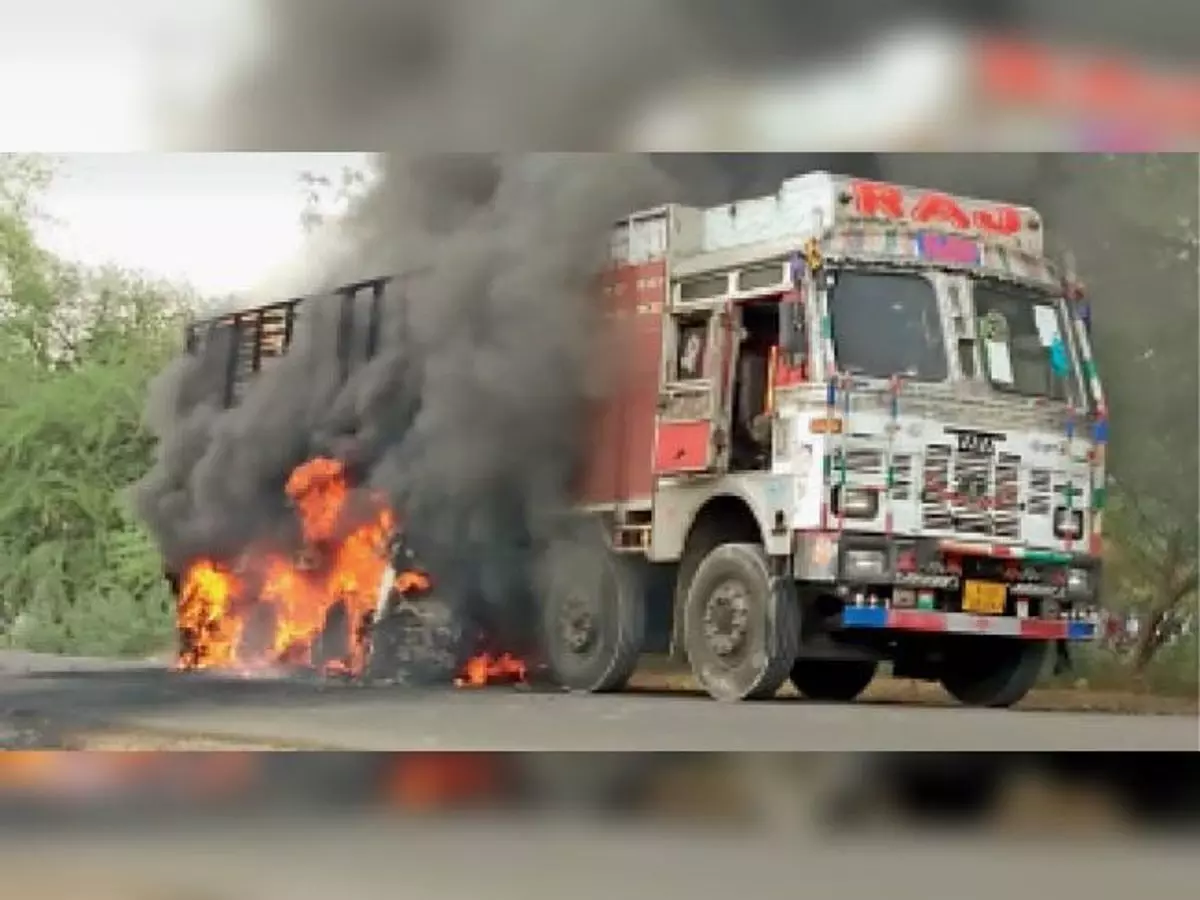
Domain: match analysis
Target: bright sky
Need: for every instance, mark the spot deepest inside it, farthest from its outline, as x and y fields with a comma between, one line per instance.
x=222, y=221
x=82, y=76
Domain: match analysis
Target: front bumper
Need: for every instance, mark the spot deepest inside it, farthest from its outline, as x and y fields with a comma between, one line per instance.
x=916, y=585
x=930, y=622
x=830, y=557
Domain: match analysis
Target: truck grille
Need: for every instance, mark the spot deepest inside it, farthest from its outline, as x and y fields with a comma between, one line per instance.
x=1040, y=499
x=863, y=466
x=867, y=467
x=1006, y=509
x=935, y=485
x=971, y=493
x=902, y=476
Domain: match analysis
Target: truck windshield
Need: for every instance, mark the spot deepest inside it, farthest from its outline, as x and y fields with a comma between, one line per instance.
x=1022, y=342
x=887, y=323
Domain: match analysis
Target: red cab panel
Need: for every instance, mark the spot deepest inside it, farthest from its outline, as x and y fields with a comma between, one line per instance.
x=620, y=446
x=683, y=447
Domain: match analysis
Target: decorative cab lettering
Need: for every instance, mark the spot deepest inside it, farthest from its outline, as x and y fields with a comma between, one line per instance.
x=886, y=201
x=876, y=200
x=935, y=207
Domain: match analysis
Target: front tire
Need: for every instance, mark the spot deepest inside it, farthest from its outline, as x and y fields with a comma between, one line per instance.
x=993, y=672
x=741, y=635
x=593, y=615
x=833, y=680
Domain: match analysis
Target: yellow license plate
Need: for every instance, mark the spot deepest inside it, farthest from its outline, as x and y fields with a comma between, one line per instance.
x=984, y=598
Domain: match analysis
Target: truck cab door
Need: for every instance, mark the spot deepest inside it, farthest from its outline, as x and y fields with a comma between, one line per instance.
x=692, y=419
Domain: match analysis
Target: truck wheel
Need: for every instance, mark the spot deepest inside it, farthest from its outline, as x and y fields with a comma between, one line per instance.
x=416, y=639
x=741, y=637
x=836, y=680
x=993, y=672
x=593, y=616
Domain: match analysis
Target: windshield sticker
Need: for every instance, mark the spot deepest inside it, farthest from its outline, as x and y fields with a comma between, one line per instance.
x=999, y=362
x=1058, y=358
x=993, y=329
x=1047, y=324
x=1048, y=333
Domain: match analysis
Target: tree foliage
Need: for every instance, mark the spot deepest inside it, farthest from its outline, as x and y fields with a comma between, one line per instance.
x=326, y=198
x=77, y=572
x=1138, y=240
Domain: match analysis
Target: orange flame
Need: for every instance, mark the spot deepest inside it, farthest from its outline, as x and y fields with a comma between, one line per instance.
x=487, y=669
x=434, y=781
x=289, y=601
x=276, y=609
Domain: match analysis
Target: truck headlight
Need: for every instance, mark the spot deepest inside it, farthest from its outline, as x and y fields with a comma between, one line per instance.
x=1068, y=523
x=855, y=503
x=864, y=564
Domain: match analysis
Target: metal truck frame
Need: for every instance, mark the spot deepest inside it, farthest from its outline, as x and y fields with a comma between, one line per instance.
x=855, y=422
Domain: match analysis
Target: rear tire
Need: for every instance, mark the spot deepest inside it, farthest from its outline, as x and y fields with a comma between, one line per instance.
x=741, y=636
x=833, y=680
x=593, y=614
x=993, y=673
x=417, y=639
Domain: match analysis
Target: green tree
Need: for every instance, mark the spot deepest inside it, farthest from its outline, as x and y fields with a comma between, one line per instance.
x=327, y=198
x=77, y=572
x=1139, y=241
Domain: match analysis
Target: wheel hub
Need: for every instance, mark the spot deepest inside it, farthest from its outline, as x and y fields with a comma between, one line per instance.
x=727, y=618
x=577, y=625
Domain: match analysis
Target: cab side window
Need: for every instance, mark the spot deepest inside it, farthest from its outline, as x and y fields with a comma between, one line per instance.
x=691, y=351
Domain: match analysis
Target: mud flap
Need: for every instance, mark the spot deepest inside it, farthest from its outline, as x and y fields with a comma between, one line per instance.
x=1063, y=664
x=784, y=622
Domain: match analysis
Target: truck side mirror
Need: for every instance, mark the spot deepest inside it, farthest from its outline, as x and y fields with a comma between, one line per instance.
x=792, y=337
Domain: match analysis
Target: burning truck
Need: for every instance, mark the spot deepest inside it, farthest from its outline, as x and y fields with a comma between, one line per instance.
x=852, y=423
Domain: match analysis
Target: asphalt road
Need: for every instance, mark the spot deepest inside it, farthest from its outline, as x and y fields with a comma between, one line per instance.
x=43, y=697
x=505, y=859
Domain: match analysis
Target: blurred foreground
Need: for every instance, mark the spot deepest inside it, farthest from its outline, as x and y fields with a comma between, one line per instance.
x=1059, y=793
x=218, y=826
x=504, y=859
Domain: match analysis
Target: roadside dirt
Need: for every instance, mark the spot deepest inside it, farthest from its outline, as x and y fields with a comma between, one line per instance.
x=123, y=741
x=663, y=676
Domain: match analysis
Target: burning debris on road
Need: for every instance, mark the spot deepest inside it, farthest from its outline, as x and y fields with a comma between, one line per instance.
x=317, y=606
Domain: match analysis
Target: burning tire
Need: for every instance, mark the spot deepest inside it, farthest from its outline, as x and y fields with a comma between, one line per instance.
x=741, y=636
x=415, y=639
x=992, y=672
x=593, y=615
x=334, y=643
x=416, y=643
x=835, y=680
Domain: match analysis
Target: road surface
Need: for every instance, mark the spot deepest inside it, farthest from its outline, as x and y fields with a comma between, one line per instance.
x=41, y=697
x=525, y=860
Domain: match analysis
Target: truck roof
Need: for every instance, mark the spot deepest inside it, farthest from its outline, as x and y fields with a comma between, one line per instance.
x=811, y=205
x=697, y=239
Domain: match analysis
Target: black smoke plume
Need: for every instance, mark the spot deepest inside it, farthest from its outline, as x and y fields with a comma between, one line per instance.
x=469, y=417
